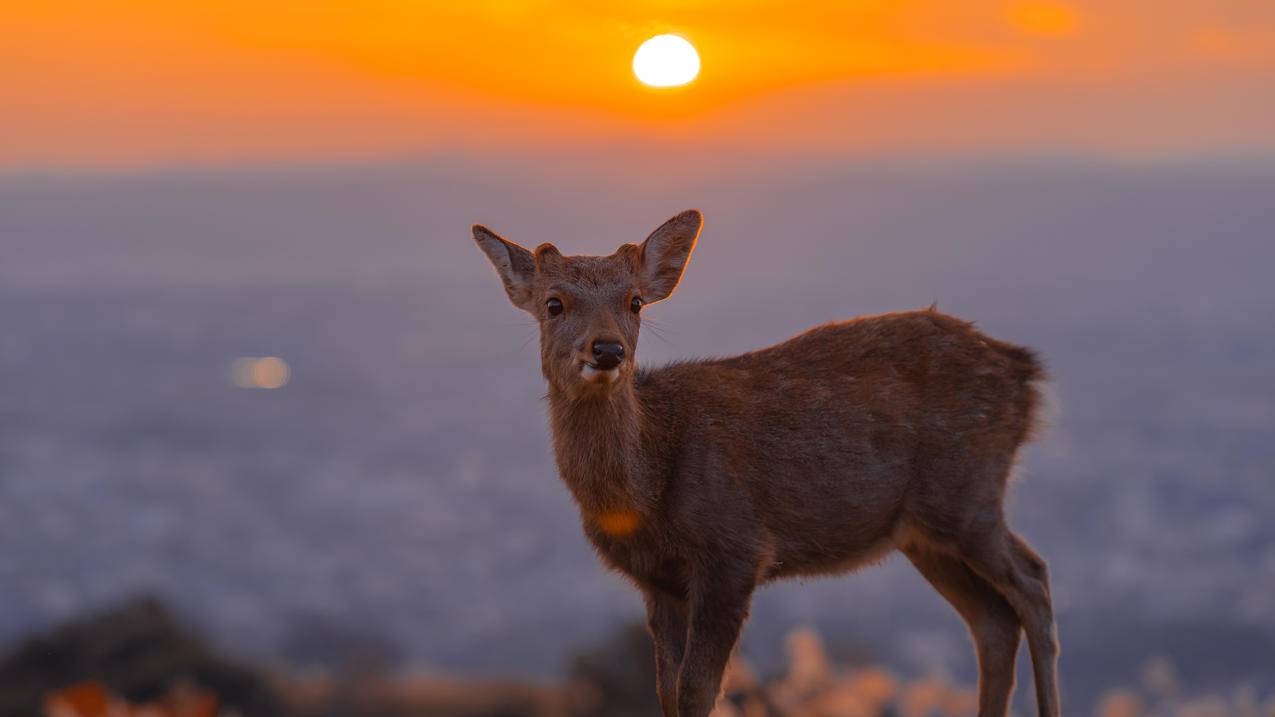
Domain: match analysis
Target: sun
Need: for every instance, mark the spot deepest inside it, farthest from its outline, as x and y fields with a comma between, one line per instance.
x=666, y=61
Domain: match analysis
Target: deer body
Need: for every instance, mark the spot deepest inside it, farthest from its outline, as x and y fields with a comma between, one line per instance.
x=702, y=480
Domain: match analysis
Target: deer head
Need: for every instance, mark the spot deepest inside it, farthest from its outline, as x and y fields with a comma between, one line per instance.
x=589, y=308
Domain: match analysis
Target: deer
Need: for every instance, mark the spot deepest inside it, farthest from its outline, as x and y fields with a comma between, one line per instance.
x=702, y=480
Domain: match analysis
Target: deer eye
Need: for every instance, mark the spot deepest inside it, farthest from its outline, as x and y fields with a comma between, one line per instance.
x=554, y=306
x=635, y=305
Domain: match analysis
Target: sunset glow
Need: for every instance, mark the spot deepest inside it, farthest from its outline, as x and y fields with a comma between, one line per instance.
x=238, y=81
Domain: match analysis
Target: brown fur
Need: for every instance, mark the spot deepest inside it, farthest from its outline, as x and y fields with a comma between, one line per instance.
x=704, y=479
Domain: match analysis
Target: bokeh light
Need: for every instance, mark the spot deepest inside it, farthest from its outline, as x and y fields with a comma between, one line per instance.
x=268, y=372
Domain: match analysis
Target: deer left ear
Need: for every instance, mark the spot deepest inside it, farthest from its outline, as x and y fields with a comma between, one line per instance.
x=515, y=265
x=664, y=254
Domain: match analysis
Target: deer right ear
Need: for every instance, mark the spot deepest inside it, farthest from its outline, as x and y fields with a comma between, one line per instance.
x=664, y=254
x=515, y=265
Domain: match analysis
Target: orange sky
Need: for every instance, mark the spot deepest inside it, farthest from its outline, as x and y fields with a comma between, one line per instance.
x=97, y=83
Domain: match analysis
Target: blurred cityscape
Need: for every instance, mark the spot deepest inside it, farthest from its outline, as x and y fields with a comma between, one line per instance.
x=296, y=406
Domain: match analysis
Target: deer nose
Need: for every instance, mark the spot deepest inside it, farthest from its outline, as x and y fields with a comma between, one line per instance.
x=607, y=354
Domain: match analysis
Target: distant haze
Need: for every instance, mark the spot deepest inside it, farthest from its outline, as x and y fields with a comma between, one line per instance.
x=399, y=486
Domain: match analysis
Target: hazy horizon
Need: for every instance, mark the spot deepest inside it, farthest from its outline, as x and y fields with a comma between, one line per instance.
x=366, y=497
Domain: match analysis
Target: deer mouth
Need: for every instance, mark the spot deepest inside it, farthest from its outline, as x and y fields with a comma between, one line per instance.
x=595, y=373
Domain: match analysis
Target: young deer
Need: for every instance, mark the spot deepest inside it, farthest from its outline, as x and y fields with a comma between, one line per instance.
x=702, y=480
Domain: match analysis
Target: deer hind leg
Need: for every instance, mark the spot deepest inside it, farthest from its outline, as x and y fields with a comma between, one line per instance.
x=1004, y=560
x=992, y=622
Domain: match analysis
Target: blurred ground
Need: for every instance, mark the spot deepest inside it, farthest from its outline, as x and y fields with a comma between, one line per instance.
x=136, y=661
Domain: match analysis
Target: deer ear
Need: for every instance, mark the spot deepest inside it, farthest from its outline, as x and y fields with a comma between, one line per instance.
x=515, y=265
x=663, y=256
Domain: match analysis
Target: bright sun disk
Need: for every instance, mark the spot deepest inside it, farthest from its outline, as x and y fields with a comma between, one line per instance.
x=666, y=61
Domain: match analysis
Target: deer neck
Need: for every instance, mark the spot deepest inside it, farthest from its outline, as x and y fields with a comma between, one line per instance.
x=598, y=446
